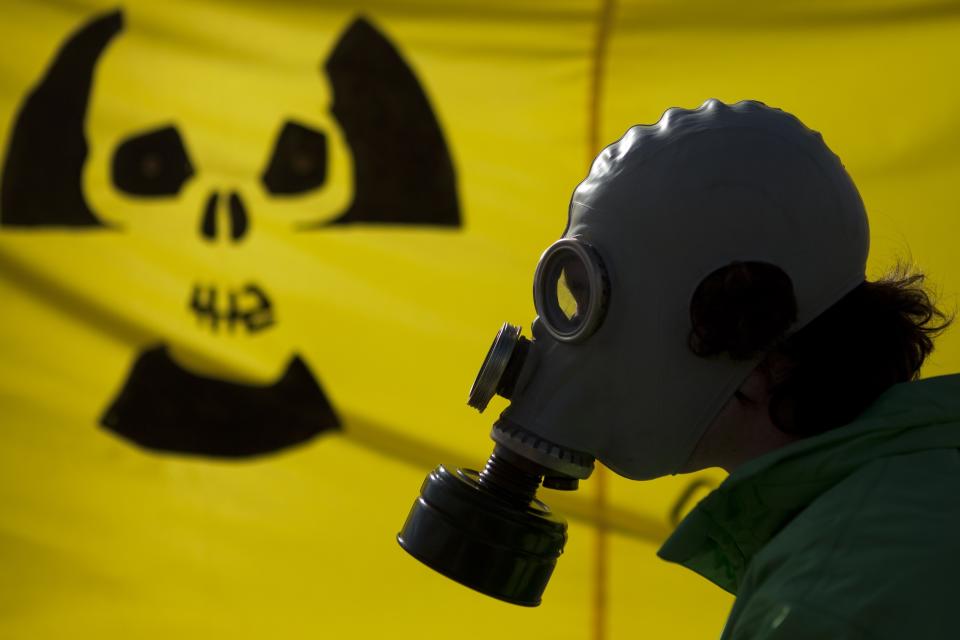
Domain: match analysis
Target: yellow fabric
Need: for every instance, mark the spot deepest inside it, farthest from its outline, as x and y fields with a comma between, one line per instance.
x=101, y=538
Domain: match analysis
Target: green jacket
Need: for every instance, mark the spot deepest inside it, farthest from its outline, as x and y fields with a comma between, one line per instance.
x=854, y=533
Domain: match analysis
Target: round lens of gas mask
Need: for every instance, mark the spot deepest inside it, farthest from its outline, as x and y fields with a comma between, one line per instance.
x=570, y=290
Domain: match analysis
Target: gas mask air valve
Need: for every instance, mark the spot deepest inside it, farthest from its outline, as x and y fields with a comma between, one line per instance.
x=498, y=373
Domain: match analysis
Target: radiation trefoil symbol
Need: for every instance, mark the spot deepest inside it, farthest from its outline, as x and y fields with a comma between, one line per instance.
x=401, y=173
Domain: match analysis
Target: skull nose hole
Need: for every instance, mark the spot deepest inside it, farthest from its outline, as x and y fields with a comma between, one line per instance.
x=239, y=221
x=208, y=222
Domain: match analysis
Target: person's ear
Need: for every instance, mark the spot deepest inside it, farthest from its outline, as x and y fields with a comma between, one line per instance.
x=777, y=367
x=770, y=373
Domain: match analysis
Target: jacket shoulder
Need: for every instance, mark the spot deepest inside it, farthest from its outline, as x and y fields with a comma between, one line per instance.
x=876, y=556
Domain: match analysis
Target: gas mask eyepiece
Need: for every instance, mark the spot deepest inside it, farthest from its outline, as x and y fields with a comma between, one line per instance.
x=570, y=290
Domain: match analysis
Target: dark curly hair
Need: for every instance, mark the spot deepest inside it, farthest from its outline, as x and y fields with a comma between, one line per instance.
x=877, y=335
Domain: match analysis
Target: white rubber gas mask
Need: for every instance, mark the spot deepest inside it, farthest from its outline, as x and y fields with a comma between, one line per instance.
x=609, y=374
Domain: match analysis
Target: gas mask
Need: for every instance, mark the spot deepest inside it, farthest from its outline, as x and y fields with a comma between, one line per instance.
x=608, y=374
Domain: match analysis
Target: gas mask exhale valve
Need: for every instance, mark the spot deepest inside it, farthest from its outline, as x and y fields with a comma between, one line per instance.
x=487, y=530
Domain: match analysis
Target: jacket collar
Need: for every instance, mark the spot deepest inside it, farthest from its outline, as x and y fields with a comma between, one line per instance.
x=726, y=529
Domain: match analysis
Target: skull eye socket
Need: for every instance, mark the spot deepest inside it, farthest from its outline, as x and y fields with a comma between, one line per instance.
x=152, y=164
x=299, y=160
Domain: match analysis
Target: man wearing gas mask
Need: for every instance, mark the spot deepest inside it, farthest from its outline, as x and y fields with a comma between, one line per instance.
x=707, y=305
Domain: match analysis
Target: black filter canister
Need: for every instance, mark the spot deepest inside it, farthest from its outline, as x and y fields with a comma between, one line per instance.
x=486, y=531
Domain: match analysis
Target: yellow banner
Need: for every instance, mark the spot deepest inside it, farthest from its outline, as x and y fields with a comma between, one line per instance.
x=252, y=255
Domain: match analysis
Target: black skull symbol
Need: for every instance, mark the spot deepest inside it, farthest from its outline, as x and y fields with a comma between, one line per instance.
x=401, y=174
